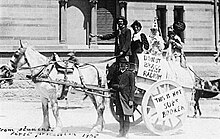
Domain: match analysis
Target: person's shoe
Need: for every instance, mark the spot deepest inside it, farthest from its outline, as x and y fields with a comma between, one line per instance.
x=61, y=97
x=120, y=135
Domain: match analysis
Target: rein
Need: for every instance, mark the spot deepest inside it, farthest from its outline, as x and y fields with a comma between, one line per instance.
x=85, y=64
x=195, y=74
x=39, y=73
x=43, y=66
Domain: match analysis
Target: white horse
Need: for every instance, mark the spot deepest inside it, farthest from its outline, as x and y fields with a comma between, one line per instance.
x=41, y=68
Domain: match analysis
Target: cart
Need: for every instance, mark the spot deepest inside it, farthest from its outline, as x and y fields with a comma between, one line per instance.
x=162, y=95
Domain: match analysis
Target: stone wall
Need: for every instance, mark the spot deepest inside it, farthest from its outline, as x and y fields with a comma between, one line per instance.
x=198, y=17
x=35, y=21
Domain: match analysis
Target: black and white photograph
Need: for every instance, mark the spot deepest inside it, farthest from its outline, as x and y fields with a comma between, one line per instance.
x=109, y=69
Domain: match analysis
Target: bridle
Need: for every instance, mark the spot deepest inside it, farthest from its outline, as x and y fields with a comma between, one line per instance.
x=18, y=55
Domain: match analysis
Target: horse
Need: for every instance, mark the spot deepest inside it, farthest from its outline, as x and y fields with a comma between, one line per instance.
x=42, y=68
x=206, y=89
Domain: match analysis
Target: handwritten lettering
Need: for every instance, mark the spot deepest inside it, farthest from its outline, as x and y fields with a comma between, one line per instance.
x=150, y=67
x=152, y=75
x=172, y=111
x=33, y=132
x=170, y=103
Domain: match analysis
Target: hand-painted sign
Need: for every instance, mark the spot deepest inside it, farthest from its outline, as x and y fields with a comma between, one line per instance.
x=151, y=66
x=171, y=103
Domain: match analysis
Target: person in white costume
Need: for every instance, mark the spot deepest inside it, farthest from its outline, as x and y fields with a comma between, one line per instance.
x=156, y=42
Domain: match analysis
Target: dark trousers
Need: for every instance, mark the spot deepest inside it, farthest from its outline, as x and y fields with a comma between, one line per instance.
x=124, y=124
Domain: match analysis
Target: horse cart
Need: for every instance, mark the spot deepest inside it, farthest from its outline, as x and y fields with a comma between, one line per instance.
x=163, y=90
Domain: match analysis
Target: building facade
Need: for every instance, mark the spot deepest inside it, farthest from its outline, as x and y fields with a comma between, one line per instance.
x=64, y=25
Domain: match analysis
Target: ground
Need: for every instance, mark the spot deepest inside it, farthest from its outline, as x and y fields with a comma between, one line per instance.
x=21, y=115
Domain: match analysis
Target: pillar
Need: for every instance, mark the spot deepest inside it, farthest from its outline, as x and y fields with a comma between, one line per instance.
x=93, y=41
x=216, y=23
x=62, y=21
x=123, y=5
x=170, y=15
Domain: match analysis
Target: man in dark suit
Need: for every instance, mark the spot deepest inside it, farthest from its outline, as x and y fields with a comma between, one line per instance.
x=123, y=38
x=125, y=96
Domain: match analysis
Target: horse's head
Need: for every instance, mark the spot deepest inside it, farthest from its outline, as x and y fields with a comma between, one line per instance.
x=5, y=74
x=18, y=59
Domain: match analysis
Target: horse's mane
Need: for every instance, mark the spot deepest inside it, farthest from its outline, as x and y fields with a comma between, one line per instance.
x=34, y=57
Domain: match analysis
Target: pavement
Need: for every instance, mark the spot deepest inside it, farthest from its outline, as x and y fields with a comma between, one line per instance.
x=19, y=119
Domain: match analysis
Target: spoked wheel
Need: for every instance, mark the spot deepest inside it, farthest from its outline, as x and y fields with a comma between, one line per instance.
x=134, y=120
x=164, y=107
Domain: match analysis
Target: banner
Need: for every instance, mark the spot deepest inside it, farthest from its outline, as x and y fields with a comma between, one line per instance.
x=151, y=67
x=170, y=104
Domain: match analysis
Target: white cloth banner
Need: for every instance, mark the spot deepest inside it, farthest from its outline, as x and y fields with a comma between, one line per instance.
x=152, y=67
x=158, y=68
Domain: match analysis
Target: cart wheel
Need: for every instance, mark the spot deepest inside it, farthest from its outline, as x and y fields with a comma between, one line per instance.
x=159, y=117
x=134, y=120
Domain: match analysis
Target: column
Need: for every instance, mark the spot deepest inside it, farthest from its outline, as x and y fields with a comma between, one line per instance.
x=62, y=21
x=93, y=41
x=216, y=20
x=123, y=5
x=170, y=15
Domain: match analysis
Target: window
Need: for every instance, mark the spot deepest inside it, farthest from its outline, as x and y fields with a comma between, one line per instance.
x=161, y=15
x=218, y=20
x=105, y=19
x=178, y=16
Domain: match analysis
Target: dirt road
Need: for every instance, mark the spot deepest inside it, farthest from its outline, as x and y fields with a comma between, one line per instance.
x=20, y=118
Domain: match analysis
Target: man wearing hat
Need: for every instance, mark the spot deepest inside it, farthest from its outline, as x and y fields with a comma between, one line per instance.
x=123, y=38
x=125, y=96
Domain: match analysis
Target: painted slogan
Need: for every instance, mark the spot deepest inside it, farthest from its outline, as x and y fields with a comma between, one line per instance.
x=151, y=67
x=170, y=103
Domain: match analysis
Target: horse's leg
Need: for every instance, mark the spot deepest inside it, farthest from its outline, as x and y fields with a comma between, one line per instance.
x=46, y=124
x=54, y=105
x=200, y=113
x=195, y=108
x=66, y=98
x=100, y=107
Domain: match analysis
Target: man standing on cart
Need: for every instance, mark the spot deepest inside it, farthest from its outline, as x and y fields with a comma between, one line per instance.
x=123, y=38
x=125, y=96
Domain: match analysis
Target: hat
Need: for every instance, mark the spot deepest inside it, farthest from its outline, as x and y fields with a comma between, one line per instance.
x=71, y=53
x=155, y=25
x=122, y=18
x=136, y=23
x=179, y=26
x=122, y=60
